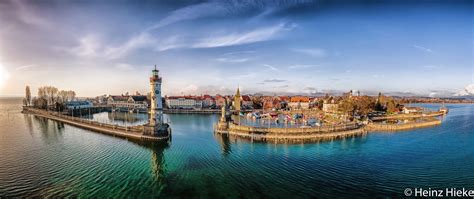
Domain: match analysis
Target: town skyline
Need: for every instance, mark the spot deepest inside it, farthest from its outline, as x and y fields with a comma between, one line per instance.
x=293, y=47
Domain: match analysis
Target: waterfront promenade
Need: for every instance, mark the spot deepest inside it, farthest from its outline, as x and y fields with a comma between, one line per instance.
x=129, y=132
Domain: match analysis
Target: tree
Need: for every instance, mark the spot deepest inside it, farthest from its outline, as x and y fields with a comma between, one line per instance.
x=71, y=95
x=28, y=96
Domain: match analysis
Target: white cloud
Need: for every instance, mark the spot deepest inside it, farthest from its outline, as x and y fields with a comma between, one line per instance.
x=423, y=48
x=89, y=46
x=142, y=40
x=271, y=67
x=25, y=67
x=232, y=60
x=314, y=52
x=233, y=39
x=191, y=12
x=300, y=66
x=467, y=91
x=124, y=66
x=28, y=15
x=244, y=76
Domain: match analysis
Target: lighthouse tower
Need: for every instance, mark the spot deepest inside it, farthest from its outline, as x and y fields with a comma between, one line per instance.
x=156, y=109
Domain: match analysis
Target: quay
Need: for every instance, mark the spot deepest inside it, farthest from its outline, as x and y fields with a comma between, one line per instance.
x=291, y=135
x=129, y=132
x=191, y=111
x=408, y=116
x=401, y=127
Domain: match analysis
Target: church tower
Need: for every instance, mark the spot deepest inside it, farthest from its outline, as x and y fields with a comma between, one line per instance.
x=237, y=101
x=156, y=110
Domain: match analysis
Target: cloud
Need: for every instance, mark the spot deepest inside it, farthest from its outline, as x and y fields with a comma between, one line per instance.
x=224, y=8
x=467, y=91
x=274, y=80
x=314, y=52
x=142, y=40
x=28, y=15
x=253, y=36
x=244, y=76
x=193, y=89
x=299, y=66
x=89, y=46
x=271, y=67
x=191, y=12
x=25, y=67
x=232, y=60
x=124, y=66
x=423, y=48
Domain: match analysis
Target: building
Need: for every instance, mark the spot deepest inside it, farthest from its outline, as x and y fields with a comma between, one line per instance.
x=237, y=101
x=408, y=110
x=138, y=101
x=128, y=102
x=208, y=101
x=220, y=101
x=183, y=102
x=156, y=108
x=118, y=101
x=299, y=102
x=78, y=104
x=246, y=102
x=330, y=107
x=270, y=102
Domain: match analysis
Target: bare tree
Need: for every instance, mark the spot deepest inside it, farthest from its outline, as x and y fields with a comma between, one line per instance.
x=28, y=96
x=71, y=95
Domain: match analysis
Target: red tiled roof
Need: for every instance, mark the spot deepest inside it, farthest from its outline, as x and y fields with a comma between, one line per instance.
x=299, y=99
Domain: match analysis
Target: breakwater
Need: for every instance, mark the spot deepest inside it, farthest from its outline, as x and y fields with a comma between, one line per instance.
x=312, y=134
x=408, y=116
x=191, y=111
x=291, y=135
x=402, y=127
x=129, y=132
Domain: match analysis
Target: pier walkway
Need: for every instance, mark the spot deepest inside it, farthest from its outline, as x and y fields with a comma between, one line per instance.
x=130, y=132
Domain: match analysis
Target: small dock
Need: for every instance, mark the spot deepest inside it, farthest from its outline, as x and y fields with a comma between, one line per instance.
x=129, y=132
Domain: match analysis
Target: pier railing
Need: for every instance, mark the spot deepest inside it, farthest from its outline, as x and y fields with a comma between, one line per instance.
x=132, y=129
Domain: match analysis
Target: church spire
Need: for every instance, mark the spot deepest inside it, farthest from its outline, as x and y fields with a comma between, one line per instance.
x=238, y=91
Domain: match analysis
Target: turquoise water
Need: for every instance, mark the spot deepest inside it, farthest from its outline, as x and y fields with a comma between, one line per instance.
x=43, y=158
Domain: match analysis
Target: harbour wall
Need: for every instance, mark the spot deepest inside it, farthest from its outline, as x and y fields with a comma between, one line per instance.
x=408, y=116
x=401, y=127
x=130, y=132
x=291, y=135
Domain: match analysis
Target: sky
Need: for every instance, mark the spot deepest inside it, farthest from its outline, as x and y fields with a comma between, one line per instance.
x=206, y=47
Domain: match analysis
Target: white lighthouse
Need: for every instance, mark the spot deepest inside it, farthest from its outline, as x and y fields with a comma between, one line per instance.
x=156, y=109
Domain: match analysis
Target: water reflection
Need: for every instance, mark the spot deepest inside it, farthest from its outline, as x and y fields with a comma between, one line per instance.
x=224, y=142
x=50, y=130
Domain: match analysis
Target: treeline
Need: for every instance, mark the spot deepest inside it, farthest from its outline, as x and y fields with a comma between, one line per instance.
x=365, y=104
x=48, y=97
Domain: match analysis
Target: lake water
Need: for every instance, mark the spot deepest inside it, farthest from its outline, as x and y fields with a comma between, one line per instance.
x=39, y=157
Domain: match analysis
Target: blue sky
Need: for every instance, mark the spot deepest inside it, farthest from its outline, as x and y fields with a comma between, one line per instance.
x=109, y=47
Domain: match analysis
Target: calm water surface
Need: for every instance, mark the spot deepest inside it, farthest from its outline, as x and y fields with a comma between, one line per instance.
x=40, y=157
